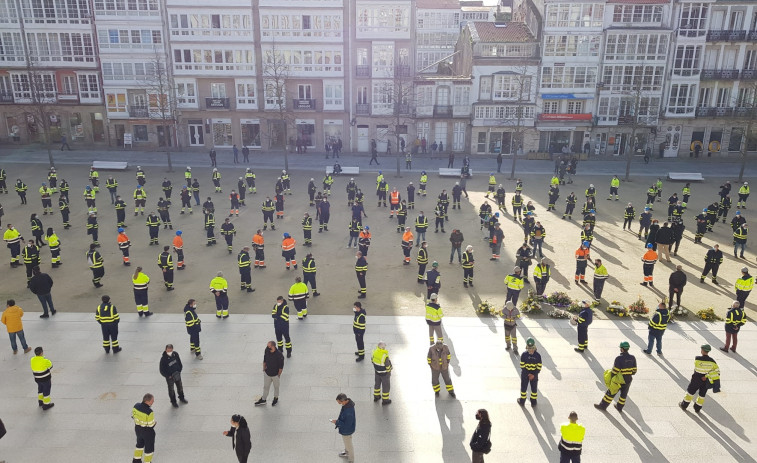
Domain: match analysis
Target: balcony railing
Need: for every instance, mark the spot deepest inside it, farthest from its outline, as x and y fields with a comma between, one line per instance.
x=217, y=103
x=363, y=70
x=68, y=97
x=752, y=36
x=749, y=74
x=6, y=98
x=303, y=103
x=745, y=112
x=138, y=111
x=442, y=111
x=363, y=109
x=714, y=112
x=719, y=74
x=726, y=36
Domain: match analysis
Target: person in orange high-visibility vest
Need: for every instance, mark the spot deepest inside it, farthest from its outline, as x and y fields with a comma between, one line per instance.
x=124, y=244
x=258, y=244
x=582, y=260
x=407, y=244
x=394, y=200
x=178, y=247
x=288, y=251
x=649, y=259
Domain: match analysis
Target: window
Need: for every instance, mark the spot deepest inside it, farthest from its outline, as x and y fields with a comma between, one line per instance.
x=747, y=98
x=140, y=132
x=42, y=87
x=510, y=50
x=575, y=107
x=705, y=93
x=298, y=25
x=462, y=95
x=305, y=92
x=217, y=90
x=362, y=56
x=275, y=94
x=438, y=19
x=692, y=21
x=186, y=94
x=688, y=60
x=251, y=133
x=129, y=38
x=305, y=61
x=53, y=11
x=485, y=88
x=8, y=12
x=11, y=47
x=628, y=78
x=127, y=71
x=210, y=25
x=73, y=47
x=116, y=102
x=736, y=138
x=750, y=60
x=724, y=98
x=569, y=77
x=511, y=87
x=636, y=47
x=504, y=112
x=362, y=95
x=424, y=95
x=572, y=15
x=246, y=96
x=383, y=18
x=212, y=59
x=382, y=96
x=551, y=107
x=127, y=7
x=68, y=85
x=637, y=14
x=333, y=95
x=571, y=45
x=222, y=135
x=681, y=99
x=89, y=87
x=383, y=59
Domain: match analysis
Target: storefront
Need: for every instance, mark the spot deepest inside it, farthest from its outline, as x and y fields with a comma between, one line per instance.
x=222, y=132
x=560, y=131
x=305, y=132
x=251, y=136
x=332, y=131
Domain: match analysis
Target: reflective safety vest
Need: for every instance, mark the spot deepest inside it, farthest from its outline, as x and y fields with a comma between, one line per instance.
x=394, y=197
x=615, y=182
x=542, y=271
x=434, y=314
x=191, y=320
x=407, y=239
x=243, y=260
x=659, y=321
x=106, y=313
x=53, y=241
x=649, y=258
x=280, y=312
x=287, y=244
x=744, y=190
x=468, y=259
x=582, y=255
x=571, y=437
x=298, y=291
x=745, y=283
x=165, y=261
x=308, y=265
x=94, y=259
x=258, y=243
x=11, y=236
x=178, y=242
x=380, y=359
x=143, y=415
x=358, y=322
x=219, y=284
x=492, y=180
x=424, y=179
x=41, y=368
x=141, y=282
x=514, y=282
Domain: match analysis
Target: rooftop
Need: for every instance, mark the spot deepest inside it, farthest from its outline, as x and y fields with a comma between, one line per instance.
x=511, y=32
x=438, y=4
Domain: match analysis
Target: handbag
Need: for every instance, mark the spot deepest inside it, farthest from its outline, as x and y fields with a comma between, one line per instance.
x=176, y=376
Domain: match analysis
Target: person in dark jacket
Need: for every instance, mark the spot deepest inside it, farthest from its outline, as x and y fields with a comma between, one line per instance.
x=273, y=365
x=652, y=237
x=170, y=368
x=676, y=282
x=346, y=425
x=41, y=285
x=240, y=437
x=479, y=441
x=663, y=239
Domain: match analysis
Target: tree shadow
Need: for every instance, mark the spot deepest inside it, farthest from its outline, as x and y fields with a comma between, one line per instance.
x=453, y=434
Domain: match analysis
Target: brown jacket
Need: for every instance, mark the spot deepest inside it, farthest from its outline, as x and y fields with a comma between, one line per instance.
x=438, y=359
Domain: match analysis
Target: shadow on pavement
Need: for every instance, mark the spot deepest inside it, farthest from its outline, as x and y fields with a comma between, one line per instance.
x=722, y=438
x=450, y=416
x=541, y=422
x=546, y=359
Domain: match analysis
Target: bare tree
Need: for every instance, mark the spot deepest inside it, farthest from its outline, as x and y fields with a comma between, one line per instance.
x=639, y=114
x=746, y=121
x=276, y=74
x=523, y=81
x=38, y=90
x=162, y=100
x=397, y=93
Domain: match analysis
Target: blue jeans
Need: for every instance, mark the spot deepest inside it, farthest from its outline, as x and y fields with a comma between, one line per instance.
x=20, y=335
x=113, y=194
x=421, y=236
x=452, y=253
x=537, y=244
x=655, y=335
x=736, y=246
x=46, y=300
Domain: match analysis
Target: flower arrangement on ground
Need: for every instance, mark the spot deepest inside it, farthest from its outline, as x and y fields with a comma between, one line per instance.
x=558, y=313
x=679, y=311
x=639, y=307
x=486, y=307
x=533, y=303
x=618, y=309
x=709, y=315
x=574, y=307
x=559, y=299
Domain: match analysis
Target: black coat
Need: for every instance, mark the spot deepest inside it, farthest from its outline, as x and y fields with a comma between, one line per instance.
x=664, y=236
x=41, y=284
x=677, y=279
x=479, y=441
x=170, y=365
x=240, y=442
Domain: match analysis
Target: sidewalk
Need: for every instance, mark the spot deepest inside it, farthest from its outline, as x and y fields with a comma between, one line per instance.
x=316, y=161
x=94, y=392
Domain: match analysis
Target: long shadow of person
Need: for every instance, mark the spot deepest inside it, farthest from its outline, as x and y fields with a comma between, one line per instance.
x=558, y=277
x=454, y=362
x=546, y=359
x=545, y=441
x=486, y=319
x=725, y=441
x=644, y=449
x=450, y=416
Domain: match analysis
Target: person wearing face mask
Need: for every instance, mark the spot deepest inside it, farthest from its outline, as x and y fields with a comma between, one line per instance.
x=240, y=437
x=192, y=321
x=170, y=368
x=479, y=442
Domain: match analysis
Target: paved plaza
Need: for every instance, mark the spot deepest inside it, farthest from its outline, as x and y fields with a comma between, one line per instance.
x=94, y=393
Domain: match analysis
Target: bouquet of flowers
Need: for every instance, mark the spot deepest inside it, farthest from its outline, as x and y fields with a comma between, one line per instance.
x=639, y=307
x=679, y=311
x=575, y=307
x=559, y=299
x=618, y=309
x=709, y=315
x=558, y=313
x=532, y=303
x=487, y=307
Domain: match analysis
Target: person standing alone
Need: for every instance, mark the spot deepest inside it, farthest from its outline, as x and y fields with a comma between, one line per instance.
x=240, y=432
x=571, y=439
x=273, y=365
x=144, y=428
x=170, y=368
x=12, y=320
x=43, y=377
x=346, y=425
x=479, y=441
x=107, y=316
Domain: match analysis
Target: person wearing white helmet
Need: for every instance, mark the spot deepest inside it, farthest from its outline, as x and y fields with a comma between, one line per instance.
x=188, y=176
x=141, y=177
x=591, y=192
x=216, y=177
x=285, y=182
x=743, y=195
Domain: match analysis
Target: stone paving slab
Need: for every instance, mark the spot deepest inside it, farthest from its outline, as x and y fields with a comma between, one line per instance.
x=94, y=393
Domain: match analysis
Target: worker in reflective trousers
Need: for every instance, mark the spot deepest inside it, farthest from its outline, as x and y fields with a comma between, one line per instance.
x=530, y=366
x=280, y=315
x=438, y=359
x=299, y=294
x=144, y=428
x=706, y=376
x=165, y=262
x=219, y=287
x=434, y=317
x=571, y=439
x=621, y=376
x=358, y=329
x=382, y=374
x=192, y=322
x=107, y=316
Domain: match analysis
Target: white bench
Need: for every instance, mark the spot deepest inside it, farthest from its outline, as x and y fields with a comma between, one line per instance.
x=452, y=172
x=686, y=176
x=345, y=170
x=110, y=165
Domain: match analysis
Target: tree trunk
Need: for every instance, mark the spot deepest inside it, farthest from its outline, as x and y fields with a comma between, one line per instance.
x=52, y=164
x=743, y=166
x=629, y=156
